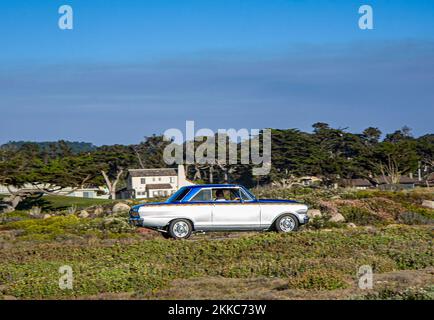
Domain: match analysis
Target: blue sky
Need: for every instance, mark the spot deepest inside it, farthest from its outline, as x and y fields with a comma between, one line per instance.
x=133, y=68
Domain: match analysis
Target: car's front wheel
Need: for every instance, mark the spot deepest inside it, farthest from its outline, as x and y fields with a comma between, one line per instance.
x=286, y=223
x=180, y=229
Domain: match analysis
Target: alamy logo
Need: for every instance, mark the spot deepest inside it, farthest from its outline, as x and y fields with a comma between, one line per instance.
x=366, y=21
x=66, y=20
x=66, y=280
x=366, y=277
x=204, y=146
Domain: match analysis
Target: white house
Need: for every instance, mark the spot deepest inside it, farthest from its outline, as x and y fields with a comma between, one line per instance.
x=150, y=183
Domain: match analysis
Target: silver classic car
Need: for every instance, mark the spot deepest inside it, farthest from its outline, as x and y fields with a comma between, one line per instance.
x=223, y=207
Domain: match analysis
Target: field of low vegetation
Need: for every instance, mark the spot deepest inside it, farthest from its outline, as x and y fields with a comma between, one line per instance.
x=391, y=232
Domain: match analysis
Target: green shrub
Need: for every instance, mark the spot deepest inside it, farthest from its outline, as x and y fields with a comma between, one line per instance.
x=360, y=194
x=360, y=216
x=13, y=217
x=406, y=294
x=116, y=225
x=323, y=222
x=318, y=280
x=45, y=228
x=71, y=227
x=413, y=218
x=425, y=212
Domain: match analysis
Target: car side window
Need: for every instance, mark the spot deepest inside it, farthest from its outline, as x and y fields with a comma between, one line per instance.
x=202, y=196
x=226, y=195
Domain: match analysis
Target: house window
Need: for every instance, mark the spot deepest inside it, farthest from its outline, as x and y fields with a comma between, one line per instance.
x=159, y=179
x=87, y=194
x=143, y=180
x=153, y=179
x=172, y=180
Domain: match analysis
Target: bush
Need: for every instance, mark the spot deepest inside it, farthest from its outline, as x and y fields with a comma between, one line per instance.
x=45, y=228
x=322, y=222
x=13, y=217
x=411, y=196
x=360, y=216
x=425, y=212
x=407, y=294
x=116, y=225
x=318, y=280
x=413, y=218
x=67, y=227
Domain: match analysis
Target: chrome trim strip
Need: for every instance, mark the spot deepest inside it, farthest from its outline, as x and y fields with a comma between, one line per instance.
x=216, y=203
x=231, y=227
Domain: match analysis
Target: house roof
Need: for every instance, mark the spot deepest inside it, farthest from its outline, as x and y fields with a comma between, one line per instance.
x=357, y=182
x=157, y=186
x=152, y=172
x=402, y=180
x=310, y=178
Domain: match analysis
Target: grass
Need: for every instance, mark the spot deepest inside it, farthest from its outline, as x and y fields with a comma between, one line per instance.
x=411, y=293
x=58, y=203
x=70, y=227
x=109, y=257
x=54, y=205
x=30, y=270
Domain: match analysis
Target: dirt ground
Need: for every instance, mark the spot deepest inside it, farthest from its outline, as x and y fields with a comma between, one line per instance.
x=274, y=289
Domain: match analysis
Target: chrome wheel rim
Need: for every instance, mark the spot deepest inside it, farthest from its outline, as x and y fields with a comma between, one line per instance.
x=287, y=224
x=180, y=229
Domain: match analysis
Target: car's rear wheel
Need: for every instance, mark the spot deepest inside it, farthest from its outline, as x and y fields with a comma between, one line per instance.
x=286, y=223
x=180, y=229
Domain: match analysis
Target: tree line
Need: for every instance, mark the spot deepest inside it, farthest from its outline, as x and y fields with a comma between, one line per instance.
x=330, y=153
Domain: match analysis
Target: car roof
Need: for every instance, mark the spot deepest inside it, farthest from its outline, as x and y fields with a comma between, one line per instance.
x=214, y=186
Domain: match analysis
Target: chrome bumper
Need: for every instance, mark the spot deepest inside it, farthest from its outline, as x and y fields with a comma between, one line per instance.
x=136, y=221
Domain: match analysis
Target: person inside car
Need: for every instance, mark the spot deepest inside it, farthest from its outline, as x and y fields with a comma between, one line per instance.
x=219, y=195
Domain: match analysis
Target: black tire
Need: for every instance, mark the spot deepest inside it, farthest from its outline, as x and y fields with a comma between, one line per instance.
x=166, y=235
x=180, y=229
x=291, y=222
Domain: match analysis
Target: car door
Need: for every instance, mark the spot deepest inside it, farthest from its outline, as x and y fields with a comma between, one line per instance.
x=236, y=214
x=199, y=209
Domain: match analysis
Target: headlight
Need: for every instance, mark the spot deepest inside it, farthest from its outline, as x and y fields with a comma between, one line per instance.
x=134, y=211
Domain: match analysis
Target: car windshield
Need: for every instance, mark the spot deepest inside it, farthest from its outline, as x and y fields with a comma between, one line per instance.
x=179, y=195
x=249, y=193
x=245, y=196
